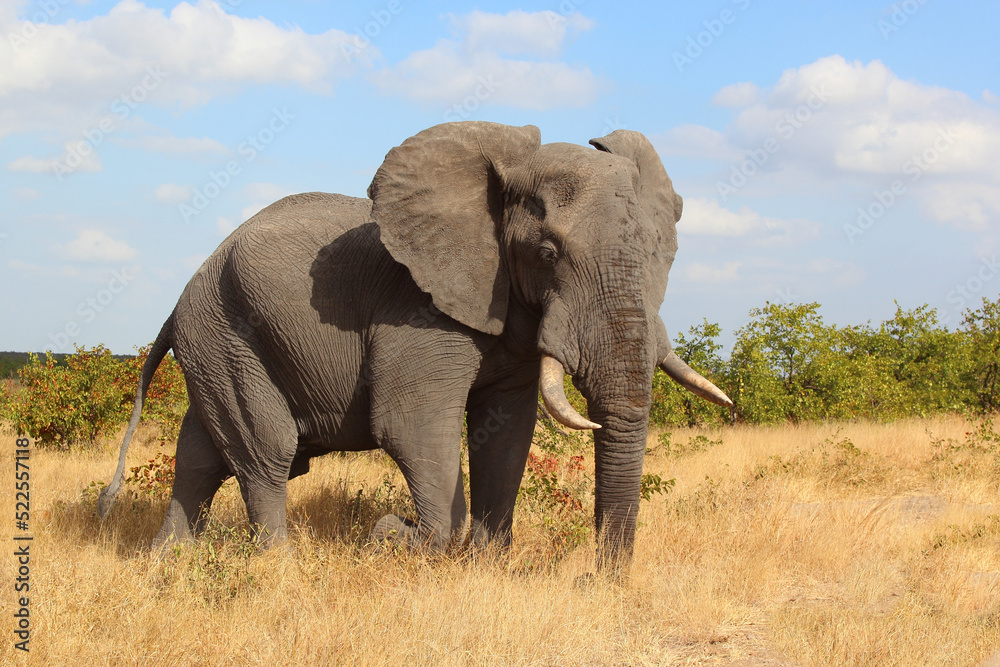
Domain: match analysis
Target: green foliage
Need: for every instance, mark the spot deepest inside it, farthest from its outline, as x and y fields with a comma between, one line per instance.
x=776, y=362
x=90, y=397
x=66, y=406
x=983, y=330
x=674, y=406
x=651, y=485
x=216, y=567
x=556, y=490
x=975, y=457
x=166, y=399
x=787, y=365
x=12, y=362
x=840, y=462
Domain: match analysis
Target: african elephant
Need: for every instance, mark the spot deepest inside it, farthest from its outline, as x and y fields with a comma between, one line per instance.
x=482, y=262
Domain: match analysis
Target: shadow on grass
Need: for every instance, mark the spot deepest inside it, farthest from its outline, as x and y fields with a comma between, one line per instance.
x=128, y=529
x=336, y=513
x=339, y=513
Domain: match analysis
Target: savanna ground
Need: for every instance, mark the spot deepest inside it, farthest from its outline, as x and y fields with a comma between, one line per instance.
x=821, y=544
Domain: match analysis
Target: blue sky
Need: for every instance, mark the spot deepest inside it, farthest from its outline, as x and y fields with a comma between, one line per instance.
x=846, y=153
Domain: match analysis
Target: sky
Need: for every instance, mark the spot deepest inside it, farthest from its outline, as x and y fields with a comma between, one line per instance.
x=842, y=153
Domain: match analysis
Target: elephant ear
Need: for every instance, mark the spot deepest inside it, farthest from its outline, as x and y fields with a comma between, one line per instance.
x=438, y=201
x=656, y=193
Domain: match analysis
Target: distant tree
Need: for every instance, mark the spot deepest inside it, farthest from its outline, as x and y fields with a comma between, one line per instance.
x=774, y=369
x=982, y=326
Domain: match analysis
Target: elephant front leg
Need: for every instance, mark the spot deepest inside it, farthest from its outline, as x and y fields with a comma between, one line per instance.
x=443, y=522
x=435, y=483
x=425, y=442
x=500, y=427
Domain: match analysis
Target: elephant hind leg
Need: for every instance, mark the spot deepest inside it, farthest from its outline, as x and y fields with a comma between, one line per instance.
x=198, y=474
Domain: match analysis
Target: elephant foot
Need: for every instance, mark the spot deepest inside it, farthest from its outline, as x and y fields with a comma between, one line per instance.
x=166, y=545
x=269, y=539
x=394, y=529
x=487, y=547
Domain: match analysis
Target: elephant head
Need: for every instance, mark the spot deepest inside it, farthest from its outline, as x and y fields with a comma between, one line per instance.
x=560, y=245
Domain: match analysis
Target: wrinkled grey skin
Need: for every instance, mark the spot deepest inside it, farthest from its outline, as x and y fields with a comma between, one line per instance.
x=330, y=323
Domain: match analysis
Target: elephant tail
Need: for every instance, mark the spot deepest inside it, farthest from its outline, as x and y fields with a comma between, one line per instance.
x=164, y=341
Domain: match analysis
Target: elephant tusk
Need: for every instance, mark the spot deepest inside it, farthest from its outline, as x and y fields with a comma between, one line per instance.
x=554, y=396
x=688, y=378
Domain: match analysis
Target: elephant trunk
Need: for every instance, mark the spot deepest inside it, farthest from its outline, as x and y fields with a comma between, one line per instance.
x=622, y=409
x=620, y=448
x=617, y=384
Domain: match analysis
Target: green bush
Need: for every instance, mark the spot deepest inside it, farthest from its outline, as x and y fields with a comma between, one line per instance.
x=983, y=377
x=91, y=397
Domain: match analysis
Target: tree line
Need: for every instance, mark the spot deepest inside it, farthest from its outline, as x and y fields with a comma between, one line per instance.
x=786, y=365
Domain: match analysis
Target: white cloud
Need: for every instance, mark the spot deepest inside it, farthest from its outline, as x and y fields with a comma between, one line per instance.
x=92, y=245
x=696, y=141
x=77, y=156
x=179, y=145
x=467, y=74
x=66, y=75
x=966, y=205
x=266, y=192
x=193, y=262
x=842, y=123
x=708, y=274
x=737, y=95
x=539, y=34
x=782, y=278
x=224, y=226
x=260, y=196
x=172, y=193
x=706, y=217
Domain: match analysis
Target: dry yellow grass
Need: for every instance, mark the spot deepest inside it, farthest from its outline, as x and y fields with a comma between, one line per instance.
x=856, y=544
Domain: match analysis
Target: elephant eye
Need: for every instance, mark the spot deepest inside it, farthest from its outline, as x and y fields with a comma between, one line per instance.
x=547, y=253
